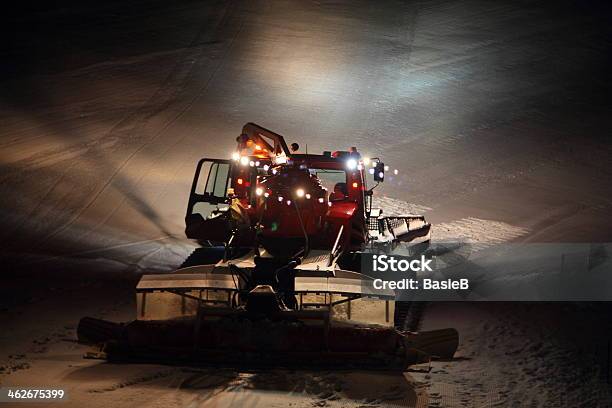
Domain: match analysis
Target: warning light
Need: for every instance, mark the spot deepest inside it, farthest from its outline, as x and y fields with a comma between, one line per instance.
x=240, y=181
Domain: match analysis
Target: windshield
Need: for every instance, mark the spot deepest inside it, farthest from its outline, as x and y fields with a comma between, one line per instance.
x=329, y=178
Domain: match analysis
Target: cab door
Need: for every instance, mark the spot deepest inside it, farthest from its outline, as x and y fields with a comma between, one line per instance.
x=207, y=210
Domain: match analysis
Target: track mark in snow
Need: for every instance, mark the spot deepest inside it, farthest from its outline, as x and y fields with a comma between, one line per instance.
x=476, y=231
x=136, y=381
x=393, y=206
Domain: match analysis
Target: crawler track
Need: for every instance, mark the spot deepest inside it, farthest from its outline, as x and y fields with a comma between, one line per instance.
x=408, y=315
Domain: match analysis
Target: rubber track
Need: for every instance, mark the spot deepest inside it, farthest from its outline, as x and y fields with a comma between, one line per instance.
x=408, y=315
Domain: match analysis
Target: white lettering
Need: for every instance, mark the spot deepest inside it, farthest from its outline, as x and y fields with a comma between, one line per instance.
x=432, y=284
x=383, y=263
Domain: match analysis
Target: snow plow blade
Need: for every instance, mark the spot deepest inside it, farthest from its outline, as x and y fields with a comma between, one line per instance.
x=237, y=339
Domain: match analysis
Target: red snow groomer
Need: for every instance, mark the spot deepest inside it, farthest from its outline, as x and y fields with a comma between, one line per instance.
x=277, y=277
x=292, y=204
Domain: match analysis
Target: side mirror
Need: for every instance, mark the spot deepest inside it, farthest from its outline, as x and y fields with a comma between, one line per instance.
x=379, y=172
